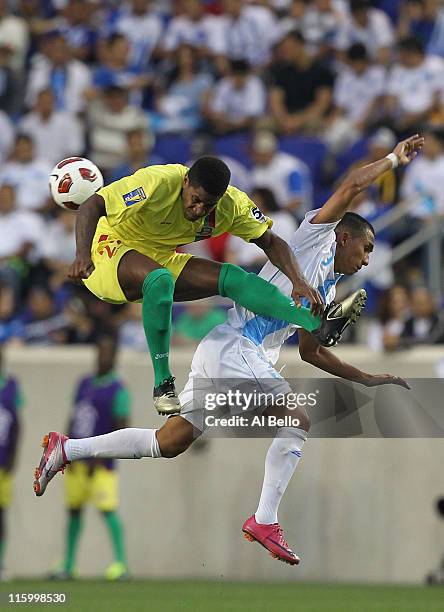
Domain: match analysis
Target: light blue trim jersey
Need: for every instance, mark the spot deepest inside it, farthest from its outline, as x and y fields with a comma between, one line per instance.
x=314, y=247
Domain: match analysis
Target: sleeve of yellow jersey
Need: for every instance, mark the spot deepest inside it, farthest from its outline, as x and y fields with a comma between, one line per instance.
x=249, y=222
x=128, y=195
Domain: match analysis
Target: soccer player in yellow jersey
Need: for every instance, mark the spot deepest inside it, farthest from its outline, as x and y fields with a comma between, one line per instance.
x=127, y=235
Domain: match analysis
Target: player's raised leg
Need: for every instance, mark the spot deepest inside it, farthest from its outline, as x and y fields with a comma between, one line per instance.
x=172, y=439
x=281, y=461
x=141, y=277
x=203, y=278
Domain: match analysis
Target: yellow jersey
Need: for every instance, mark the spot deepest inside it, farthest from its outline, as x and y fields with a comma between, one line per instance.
x=145, y=212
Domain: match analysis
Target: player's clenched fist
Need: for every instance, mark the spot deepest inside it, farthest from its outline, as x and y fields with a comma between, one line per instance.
x=81, y=268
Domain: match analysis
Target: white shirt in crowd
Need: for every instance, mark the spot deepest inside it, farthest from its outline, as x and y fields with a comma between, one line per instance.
x=30, y=181
x=287, y=177
x=143, y=32
x=78, y=80
x=58, y=243
x=183, y=30
x=378, y=33
x=14, y=35
x=354, y=93
x=415, y=88
x=237, y=104
x=250, y=37
x=62, y=130
x=423, y=186
x=18, y=228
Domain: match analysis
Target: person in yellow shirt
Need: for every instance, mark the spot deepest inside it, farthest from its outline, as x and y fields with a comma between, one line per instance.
x=127, y=235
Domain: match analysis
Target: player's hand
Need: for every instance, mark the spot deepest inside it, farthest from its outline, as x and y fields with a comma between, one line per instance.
x=81, y=268
x=376, y=380
x=301, y=289
x=408, y=149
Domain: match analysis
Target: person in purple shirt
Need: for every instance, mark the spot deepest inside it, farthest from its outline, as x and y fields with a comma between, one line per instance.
x=101, y=405
x=10, y=404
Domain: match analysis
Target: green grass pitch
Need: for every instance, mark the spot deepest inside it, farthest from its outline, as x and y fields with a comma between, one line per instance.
x=201, y=596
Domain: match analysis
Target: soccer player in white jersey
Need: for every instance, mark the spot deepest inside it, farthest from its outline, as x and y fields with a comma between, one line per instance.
x=330, y=242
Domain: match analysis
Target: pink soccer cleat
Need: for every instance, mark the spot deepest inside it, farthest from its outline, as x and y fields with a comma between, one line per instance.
x=270, y=537
x=53, y=460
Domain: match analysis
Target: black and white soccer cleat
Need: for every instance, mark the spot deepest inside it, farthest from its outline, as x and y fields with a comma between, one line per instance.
x=337, y=317
x=165, y=397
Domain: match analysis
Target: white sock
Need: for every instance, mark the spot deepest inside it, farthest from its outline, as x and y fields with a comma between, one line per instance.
x=280, y=463
x=130, y=443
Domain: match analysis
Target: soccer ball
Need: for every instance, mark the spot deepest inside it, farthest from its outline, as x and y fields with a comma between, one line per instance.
x=74, y=180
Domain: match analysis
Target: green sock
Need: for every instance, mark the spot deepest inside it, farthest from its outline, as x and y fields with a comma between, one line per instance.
x=116, y=533
x=157, y=291
x=263, y=298
x=72, y=540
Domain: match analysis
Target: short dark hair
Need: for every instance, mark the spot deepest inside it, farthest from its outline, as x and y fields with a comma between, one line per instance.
x=355, y=224
x=412, y=44
x=240, y=66
x=211, y=173
x=357, y=52
x=359, y=5
x=295, y=35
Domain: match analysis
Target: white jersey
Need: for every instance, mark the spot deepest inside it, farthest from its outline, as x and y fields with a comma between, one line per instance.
x=314, y=247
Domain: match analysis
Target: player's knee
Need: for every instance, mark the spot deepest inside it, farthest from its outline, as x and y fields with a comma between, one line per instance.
x=174, y=446
x=158, y=286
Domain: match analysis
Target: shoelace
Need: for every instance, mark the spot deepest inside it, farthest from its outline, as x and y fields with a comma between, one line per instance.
x=280, y=536
x=169, y=382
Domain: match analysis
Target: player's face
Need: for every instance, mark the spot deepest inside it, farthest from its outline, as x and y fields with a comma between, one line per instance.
x=353, y=252
x=197, y=203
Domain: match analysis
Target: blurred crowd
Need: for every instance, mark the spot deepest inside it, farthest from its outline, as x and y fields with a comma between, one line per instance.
x=290, y=93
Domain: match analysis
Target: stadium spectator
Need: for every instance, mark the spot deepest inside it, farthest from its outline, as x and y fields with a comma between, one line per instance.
x=423, y=183
x=55, y=67
x=302, y=89
x=369, y=26
x=139, y=144
x=111, y=118
x=320, y=20
x=285, y=175
x=414, y=83
x=43, y=323
x=248, y=255
x=179, y=102
x=77, y=26
x=59, y=247
x=244, y=31
x=143, y=28
x=101, y=404
x=196, y=321
x=384, y=333
x=237, y=101
x=116, y=69
x=425, y=325
x=11, y=402
x=357, y=97
x=192, y=26
x=28, y=174
x=423, y=19
x=44, y=124
x=14, y=35
x=11, y=327
x=20, y=237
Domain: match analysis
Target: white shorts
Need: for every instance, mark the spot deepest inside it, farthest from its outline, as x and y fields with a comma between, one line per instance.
x=223, y=355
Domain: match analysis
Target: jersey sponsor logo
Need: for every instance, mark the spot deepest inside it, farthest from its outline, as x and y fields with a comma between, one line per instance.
x=327, y=262
x=208, y=227
x=257, y=214
x=134, y=196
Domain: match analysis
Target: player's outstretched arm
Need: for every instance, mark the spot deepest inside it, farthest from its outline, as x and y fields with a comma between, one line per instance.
x=281, y=256
x=312, y=352
x=359, y=179
x=88, y=216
